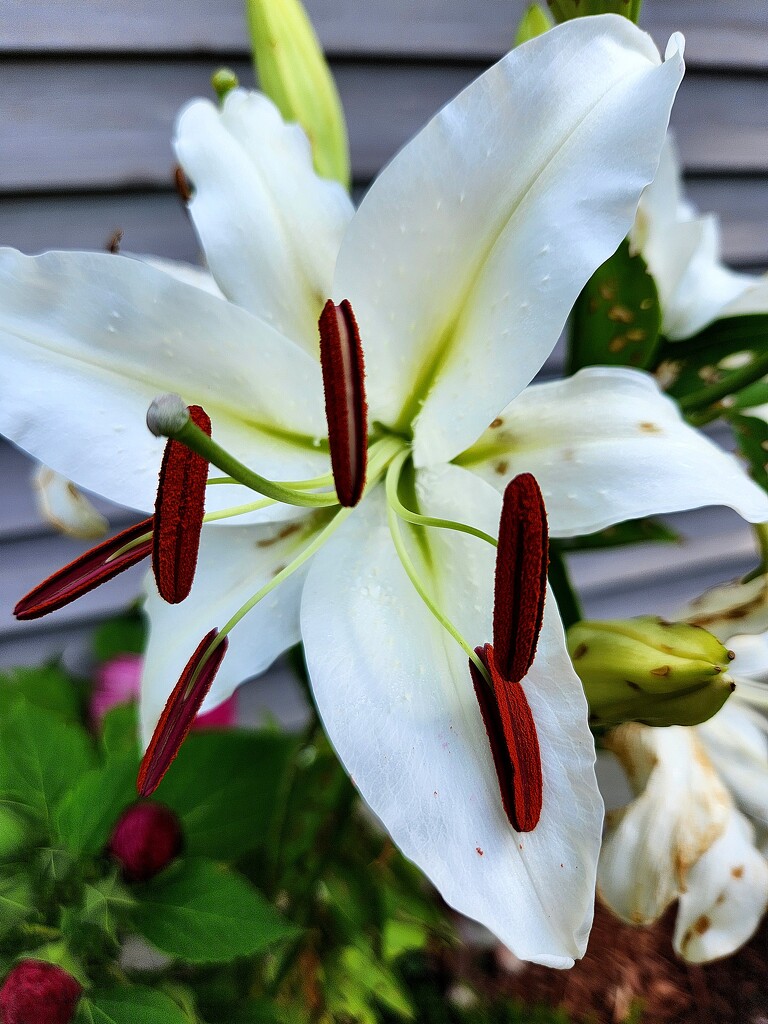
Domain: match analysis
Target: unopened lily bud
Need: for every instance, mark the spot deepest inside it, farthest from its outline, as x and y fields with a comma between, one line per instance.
x=14, y=833
x=651, y=671
x=224, y=81
x=146, y=838
x=167, y=415
x=535, y=22
x=36, y=992
x=293, y=72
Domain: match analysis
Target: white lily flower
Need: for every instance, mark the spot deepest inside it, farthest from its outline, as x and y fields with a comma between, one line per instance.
x=461, y=265
x=682, y=250
x=65, y=507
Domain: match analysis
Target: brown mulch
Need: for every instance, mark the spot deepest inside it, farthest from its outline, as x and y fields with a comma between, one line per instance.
x=627, y=966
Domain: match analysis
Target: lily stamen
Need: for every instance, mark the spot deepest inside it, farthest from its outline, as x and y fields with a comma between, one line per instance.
x=341, y=360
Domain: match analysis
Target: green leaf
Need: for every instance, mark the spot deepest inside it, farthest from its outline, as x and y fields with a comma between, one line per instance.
x=357, y=981
x=48, y=687
x=124, y=635
x=41, y=757
x=89, y=811
x=565, y=10
x=535, y=22
x=617, y=317
x=203, y=913
x=224, y=786
x=633, y=531
x=130, y=1006
x=721, y=360
x=752, y=438
x=120, y=730
x=16, y=900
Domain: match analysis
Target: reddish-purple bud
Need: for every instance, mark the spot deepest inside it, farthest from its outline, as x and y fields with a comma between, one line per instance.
x=36, y=992
x=179, y=512
x=146, y=838
x=179, y=713
x=514, y=742
x=341, y=358
x=87, y=572
x=521, y=577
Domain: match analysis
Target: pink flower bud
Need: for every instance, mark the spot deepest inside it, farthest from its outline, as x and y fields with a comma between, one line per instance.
x=146, y=838
x=39, y=993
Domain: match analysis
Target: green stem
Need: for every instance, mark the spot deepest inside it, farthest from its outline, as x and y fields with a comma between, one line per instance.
x=560, y=581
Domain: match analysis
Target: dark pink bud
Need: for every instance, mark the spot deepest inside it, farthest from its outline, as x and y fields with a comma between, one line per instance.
x=146, y=838
x=341, y=359
x=87, y=572
x=39, y=993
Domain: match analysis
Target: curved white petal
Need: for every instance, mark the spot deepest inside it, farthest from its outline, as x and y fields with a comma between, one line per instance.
x=66, y=508
x=752, y=299
x=270, y=227
x=395, y=695
x=606, y=445
x=467, y=254
x=733, y=606
x=187, y=273
x=87, y=340
x=736, y=741
x=751, y=651
x=726, y=896
x=232, y=566
x=651, y=844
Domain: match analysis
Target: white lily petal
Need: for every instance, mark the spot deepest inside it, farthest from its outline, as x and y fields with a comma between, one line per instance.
x=730, y=606
x=726, y=896
x=187, y=273
x=66, y=508
x=232, y=566
x=271, y=227
x=736, y=741
x=753, y=299
x=651, y=844
x=88, y=340
x=751, y=653
x=396, y=698
x=606, y=445
x=465, y=290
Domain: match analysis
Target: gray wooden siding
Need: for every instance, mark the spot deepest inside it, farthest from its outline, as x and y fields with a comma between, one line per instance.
x=89, y=93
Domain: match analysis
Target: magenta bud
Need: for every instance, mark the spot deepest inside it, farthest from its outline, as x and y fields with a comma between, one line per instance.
x=36, y=992
x=146, y=838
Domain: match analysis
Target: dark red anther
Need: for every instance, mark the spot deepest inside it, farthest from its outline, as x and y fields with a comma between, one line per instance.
x=341, y=358
x=514, y=742
x=86, y=573
x=37, y=992
x=521, y=577
x=179, y=512
x=179, y=714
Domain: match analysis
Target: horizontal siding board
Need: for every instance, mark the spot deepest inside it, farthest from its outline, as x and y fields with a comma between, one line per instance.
x=156, y=223
x=730, y=33
x=106, y=124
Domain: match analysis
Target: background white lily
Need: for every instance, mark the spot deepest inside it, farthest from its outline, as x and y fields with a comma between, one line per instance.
x=682, y=250
x=462, y=265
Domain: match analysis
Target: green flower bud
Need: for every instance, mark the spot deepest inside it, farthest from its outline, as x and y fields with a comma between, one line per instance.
x=293, y=72
x=564, y=10
x=224, y=81
x=14, y=833
x=535, y=22
x=651, y=671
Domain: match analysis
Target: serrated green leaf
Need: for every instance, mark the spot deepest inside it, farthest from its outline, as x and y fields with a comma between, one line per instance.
x=106, y=903
x=16, y=900
x=633, y=531
x=89, y=811
x=124, y=635
x=617, y=317
x=721, y=360
x=48, y=687
x=203, y=913
x=130, y=1006
x=752, y=438
x=224, y=786
x=41, y=757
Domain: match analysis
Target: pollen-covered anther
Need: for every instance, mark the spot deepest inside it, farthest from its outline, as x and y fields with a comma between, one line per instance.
x=179, y=713
x=514, y=742
x=522, y=558
x=87, y=572
x=179, y=512
x=341, y=358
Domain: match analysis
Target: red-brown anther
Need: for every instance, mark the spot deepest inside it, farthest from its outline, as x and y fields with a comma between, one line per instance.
x=86, y=573
x=514, y=742
x=179, y=512
x=521, y=577
x=179, y=714
x=341, y=358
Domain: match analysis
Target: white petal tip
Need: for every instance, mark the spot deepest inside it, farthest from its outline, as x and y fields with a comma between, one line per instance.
x=675, y=47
